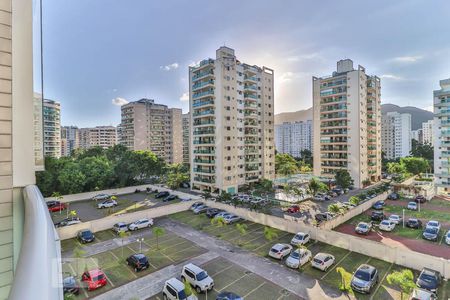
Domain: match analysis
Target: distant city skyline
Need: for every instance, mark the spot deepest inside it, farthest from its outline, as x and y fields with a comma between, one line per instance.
x=98, y=55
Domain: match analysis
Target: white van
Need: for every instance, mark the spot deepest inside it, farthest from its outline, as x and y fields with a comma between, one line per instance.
x=174, y=290
x=197, y=277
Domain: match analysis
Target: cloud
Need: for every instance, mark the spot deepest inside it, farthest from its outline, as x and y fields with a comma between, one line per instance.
x=391, y=76
x=296, y=58
x=407, y=59
x=289, y=76
x=429, y=108
x=194, y=63
x=119, y=101
x=184, y=97
x=170, y=67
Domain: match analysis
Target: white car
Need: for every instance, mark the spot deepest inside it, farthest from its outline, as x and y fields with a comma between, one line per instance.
x=421, y=294
x=280, y=251
x=434, y=224
x=387, y=225
x=184, y=199
x=101, y=197
x=174, y=290
x=222, y=214
x=197, y=277
x=395, y=218
x=139, y=224
x=447, y=237
x=322, y=261
x=119, y=227
x=194, y=205
x=300, y=238
x=298, y=258
x=230, y=219
x=107, y=204
x=412, y=205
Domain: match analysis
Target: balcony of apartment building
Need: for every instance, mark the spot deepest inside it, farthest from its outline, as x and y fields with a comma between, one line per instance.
x=251, y=123
x=204, y=170
x=335, y=107
x=203, y=141
x=333, y=116
x=202, y=74
x=205, y=180
x=203, y=93
x=333, y=91
x=333, y=99
x=203, y=102
x=250, y=97
x=250, y=114
x=204, y=160
x=334, y=140
x=204, y=150
x=251, y=140
x=334, y=156
x=333, y=132
x=334, y=124
x=204, y=122
x=203, y=113
x=334, y=148
x=204, y=131
x=251, y=131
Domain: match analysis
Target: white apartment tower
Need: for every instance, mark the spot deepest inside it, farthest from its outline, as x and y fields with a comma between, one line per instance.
x=147, y=125
x=347, y=124
x=396, y=135
x=442, y=138
x=232, y=123
x=70, y=139
x=292, y=138
x=185, y=123
x=427, y=132
x=51, y=115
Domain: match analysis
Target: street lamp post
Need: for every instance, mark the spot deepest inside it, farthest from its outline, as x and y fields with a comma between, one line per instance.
x=140, y=244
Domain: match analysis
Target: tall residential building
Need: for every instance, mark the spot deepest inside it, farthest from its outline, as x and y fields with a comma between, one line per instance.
x=232, y=119
x=70, y=139
x=99, y=136
x=442, y=138
x=147, y=125
x=292, y=138
x=417, y=135
x=347, y=124
x=186, y=132
x=38, y=133
x=51, y=113
x=396, y=135
x=427, y=132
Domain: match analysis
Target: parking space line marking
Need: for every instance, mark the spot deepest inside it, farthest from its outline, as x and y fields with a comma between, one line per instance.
x=84, y=290
x=255, y=289
x=128, y=268
x=442, y=238
x=107, y=278
x=381, y=281
x=280, y=237
x=223, y=270
x=112, y=253
x=335, y=265
x=233, y=282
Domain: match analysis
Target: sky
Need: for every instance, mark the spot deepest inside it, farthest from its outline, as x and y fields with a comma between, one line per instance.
x=99, y=54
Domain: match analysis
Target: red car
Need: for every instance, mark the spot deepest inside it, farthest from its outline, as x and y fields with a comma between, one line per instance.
x=94, y=279
x=293, y=209
x=56, y=206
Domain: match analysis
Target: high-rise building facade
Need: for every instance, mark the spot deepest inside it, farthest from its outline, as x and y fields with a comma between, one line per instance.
x=232, y=121
x=186, y=133
x=427, y=132
x=347, y=124
x=442, y=138
x=292, y=138
x=396, y=135
x=99, y=136
x=38, y=133
x=417, y=135
x=147, y=125
x=70, y=139
x=51, y=113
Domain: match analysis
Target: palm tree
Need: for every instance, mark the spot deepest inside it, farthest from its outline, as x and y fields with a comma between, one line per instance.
x=316, y=186
x=123, y=235
x=335, y=208
x=242, y=228
x=344, y=285
x=206, y=194
x=354, y=200
x=270, y=233
x=219, y=221
x=188, y=290
x=403, y=279
x=158, y=231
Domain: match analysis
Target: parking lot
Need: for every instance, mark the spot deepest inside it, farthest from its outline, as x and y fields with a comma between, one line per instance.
x=255, y=241
x=436, y=209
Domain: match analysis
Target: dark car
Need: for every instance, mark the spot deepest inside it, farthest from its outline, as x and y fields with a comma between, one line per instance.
x=429, y=280
x=228, y=296
x=71, y=286
x=378, y=205
x=364, y=279
x=138, y=262
x=162, y=194
x=52, y=203
x=293, y=209
x=377, y=216
x=393, y=196
x=85, y=236
x=431, y=234
x=170, y=198
x=338, y=191
x=420, y=199
x=323, y=216
x=414, y=223
x=211, y=212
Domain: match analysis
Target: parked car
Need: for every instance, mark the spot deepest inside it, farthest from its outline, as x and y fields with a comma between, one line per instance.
x=280, y=251
x=85, y=236
x=431, y=234
x=298, y=258
x=387, y=225
x=412, y=205
x=338, y=191
x=170, y=198
x=378, y=205
x=228, y=296
x=230, y=219
x=94, y=279
x=174, y=290
x=162, y=194
x=293, y=209
x=70, y=285
x=101, y=197
x=300, y=238
x=377, y=215
x=50, y=203
x=393, y=196
x=447, y=237
x=324, y=216
x=364, y=279
x=363, y=228
x=414, y=223
x=433, y=223
x=211, y=212
x=107, y=204
x=429, y=280
x=332, y=194
x=222, y=214
x=421, y=294
x=138, y=262
x=56, y=206
x=67, y=222
x=348, y=205
x=395, y=218
x=118, y=227
x=197, y=277
x=200, y=209
x=420, y=199
x=185, y=198
x=195, y=204
x=185, y=185
x=141, y=223
x=322, y=261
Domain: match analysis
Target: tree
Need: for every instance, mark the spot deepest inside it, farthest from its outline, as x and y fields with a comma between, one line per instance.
x=335, y=208
x=343, y=179
x=415, y=165
x=270, y=233
x=157, y=232
x=396, y=168
x=425, y=151
x=97, y=171
x=316, y=186
x=306, y=156
x=177, y=175
x=71, y=179
x=285, y=164
x=403, y=279
x=242, y=228
x=266, y=185
x=188, y=290
x=219, y=221
x=345, y=279
x=123, y=235
x=206, y=194
x=224, y=197
x=354, y=200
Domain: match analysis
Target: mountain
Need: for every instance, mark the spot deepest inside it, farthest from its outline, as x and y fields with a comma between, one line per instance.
x=295, y=116
x=418, y=116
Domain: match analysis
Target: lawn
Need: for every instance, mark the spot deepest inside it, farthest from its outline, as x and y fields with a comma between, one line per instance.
x=441, y=216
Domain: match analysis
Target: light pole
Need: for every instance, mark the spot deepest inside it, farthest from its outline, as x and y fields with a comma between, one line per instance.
x=140, y=244
x=403, y=219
